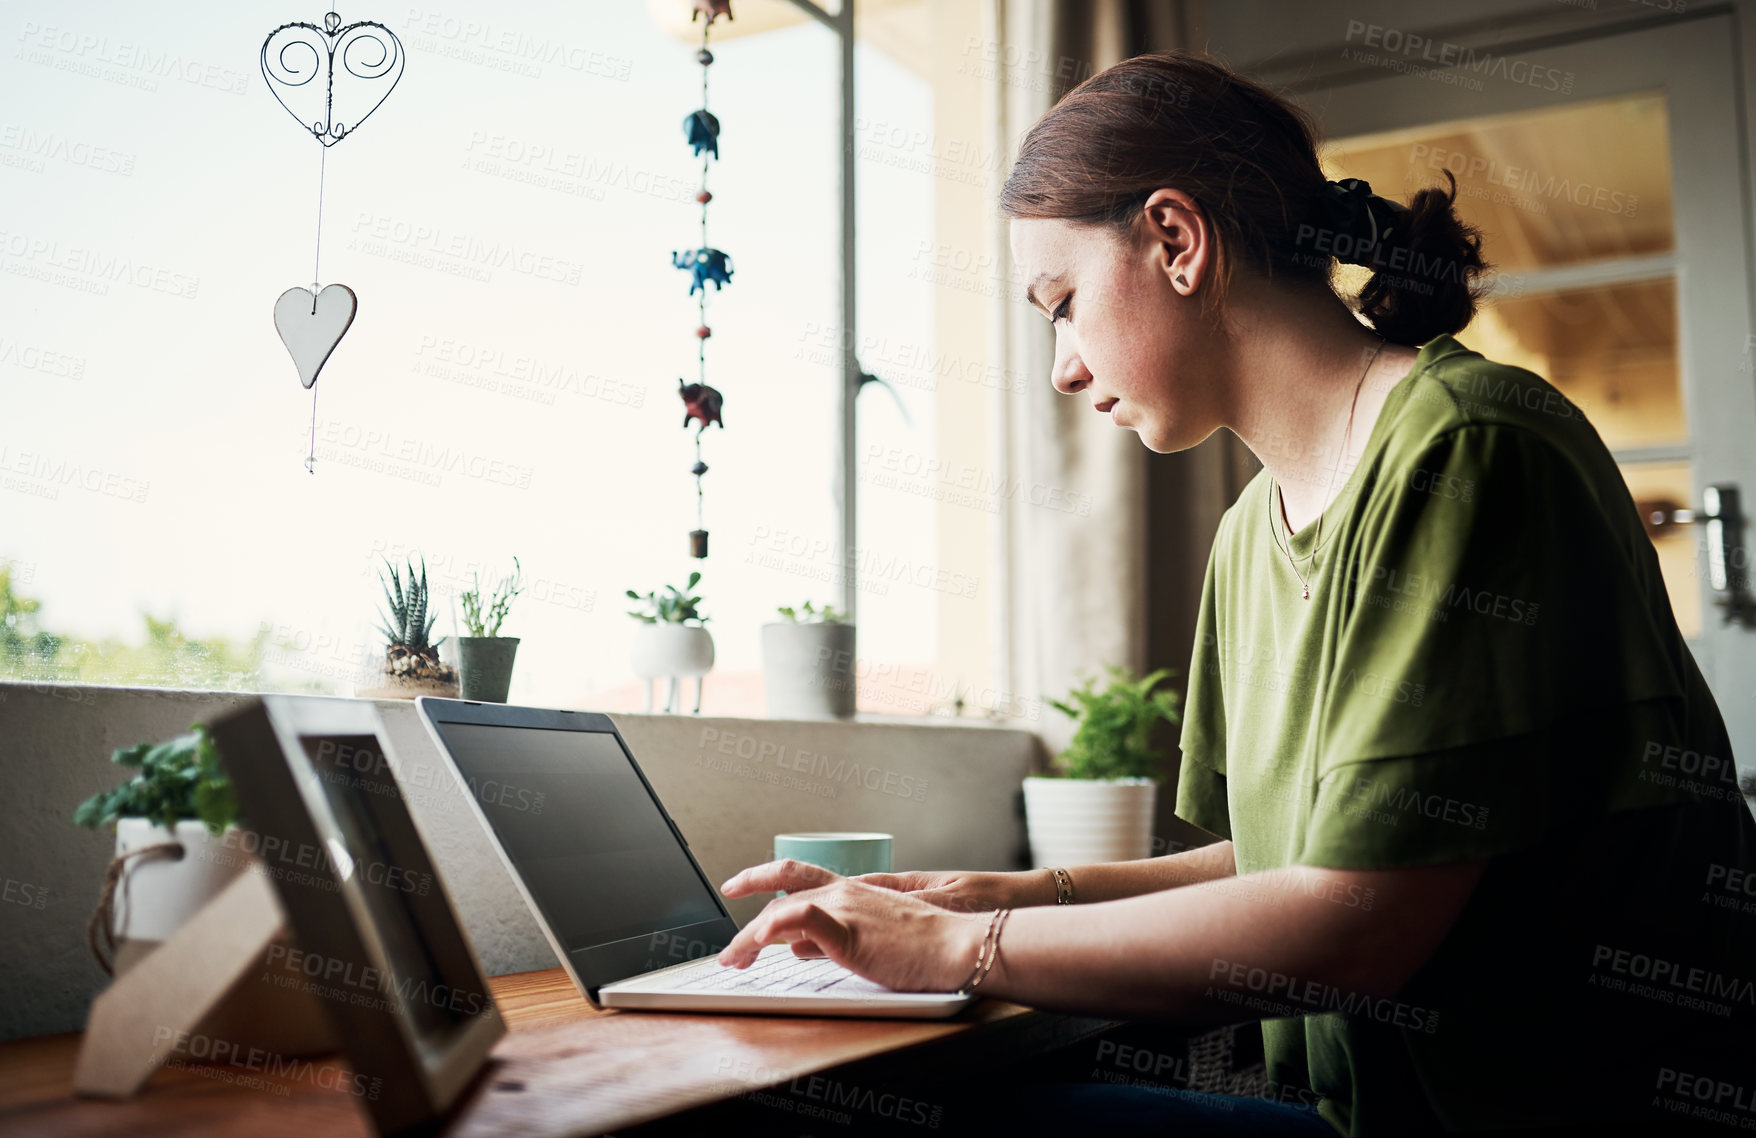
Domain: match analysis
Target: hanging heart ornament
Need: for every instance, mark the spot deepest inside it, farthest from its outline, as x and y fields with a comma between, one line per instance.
x=311, y=326
x=295, y=55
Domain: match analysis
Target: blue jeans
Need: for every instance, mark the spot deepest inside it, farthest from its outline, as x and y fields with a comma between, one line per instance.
x=1064, y=1109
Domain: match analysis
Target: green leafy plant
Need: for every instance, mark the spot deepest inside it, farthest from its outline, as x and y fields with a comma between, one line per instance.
x=805, y=614
x=22, y=642
x=179, y=780
x=408, y=625
x=499, y=602
x=670, y=606
x=1114, y=737
x=159, y=654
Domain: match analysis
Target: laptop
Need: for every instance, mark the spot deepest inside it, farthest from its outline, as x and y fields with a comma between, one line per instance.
x=612, y=881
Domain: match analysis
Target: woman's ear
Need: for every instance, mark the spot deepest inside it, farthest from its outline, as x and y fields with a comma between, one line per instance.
x=1181, y=240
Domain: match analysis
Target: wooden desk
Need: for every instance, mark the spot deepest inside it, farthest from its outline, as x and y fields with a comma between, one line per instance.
x=564, y=1069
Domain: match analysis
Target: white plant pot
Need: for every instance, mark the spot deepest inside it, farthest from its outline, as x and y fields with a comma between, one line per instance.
x=672, y=651
x=158, y=892
x=808, y=670
x=667, y=649
x=1077, y=821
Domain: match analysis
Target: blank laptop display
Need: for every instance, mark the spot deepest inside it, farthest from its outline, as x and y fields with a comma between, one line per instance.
x=583, y=830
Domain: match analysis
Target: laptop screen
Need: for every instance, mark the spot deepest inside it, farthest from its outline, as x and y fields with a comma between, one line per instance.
x=586, y=835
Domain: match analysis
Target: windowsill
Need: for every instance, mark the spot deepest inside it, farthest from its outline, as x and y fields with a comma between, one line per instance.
x=860, y=719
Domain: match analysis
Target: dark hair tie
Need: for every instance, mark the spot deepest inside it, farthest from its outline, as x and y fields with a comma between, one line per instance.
x=1351, y=208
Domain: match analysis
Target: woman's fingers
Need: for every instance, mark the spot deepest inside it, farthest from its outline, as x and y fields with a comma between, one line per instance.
x=789, y=918
x=786, y=873
x=889, y=937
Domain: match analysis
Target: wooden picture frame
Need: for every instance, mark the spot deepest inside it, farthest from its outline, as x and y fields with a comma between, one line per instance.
x=380, y=937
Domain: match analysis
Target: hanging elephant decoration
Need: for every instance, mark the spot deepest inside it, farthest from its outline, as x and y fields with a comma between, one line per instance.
x=705, y=265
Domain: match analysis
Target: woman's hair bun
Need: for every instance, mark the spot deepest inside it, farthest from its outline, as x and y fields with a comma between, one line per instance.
x=1427, y=267
x=1249, y=158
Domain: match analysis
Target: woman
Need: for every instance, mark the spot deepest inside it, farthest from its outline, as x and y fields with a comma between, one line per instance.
x=1471, y=792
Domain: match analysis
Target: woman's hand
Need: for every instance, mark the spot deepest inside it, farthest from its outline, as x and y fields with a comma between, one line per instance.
x=887, y=936
x=969, y=891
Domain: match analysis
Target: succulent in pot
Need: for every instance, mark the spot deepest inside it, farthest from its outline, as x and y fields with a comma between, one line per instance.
x=484, y=657
x=412, y=665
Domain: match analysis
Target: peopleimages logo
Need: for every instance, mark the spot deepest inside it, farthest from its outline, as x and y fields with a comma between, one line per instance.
x=1412, y=46
x=49, y=475
x=37, y=146
x=1672, y=976
x=1451, y=595
x=225, y=1056
x=335, y=978
x=92, y=267
x=1264, y=989
x=1384, y=687
x=820, y=1096
x=1525, y=180
x=464, y=250
x=846, y=772
x=98, y=56
x=1705, y=1089
x=509, y=49
x=1409, y=800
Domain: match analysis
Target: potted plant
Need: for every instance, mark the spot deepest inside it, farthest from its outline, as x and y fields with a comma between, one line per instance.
x=668, y=645
x=808, y=663
x=412, y=665
x=484, y=657
x=1097, y=805
x=168, y=819
x=177, y=847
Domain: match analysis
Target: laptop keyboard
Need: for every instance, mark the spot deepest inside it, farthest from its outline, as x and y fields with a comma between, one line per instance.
x=776, y=972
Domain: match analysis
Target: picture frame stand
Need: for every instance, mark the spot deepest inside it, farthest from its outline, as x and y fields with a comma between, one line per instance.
x=148, y=1011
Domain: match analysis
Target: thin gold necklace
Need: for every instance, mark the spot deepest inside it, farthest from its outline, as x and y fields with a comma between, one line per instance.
x=1317, y=543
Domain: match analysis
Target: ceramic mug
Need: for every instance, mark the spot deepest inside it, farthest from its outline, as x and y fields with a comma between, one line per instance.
x=848, y=854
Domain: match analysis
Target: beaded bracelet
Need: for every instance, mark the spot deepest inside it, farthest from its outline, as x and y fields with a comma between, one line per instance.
x=987, y=954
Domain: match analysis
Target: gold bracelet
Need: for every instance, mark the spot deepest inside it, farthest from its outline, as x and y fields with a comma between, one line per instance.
x=981, y=954
x=985, y=956
x=1063, y=886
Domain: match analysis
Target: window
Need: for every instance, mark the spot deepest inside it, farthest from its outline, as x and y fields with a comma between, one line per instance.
x=508, y=387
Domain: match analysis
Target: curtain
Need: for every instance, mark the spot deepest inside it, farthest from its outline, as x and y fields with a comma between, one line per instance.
x=1105, y=544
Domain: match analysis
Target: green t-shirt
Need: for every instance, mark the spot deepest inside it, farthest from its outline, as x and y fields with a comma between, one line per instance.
x=1487, y=667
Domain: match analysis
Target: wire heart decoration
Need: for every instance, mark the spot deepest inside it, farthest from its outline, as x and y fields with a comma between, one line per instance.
x=369, y=52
